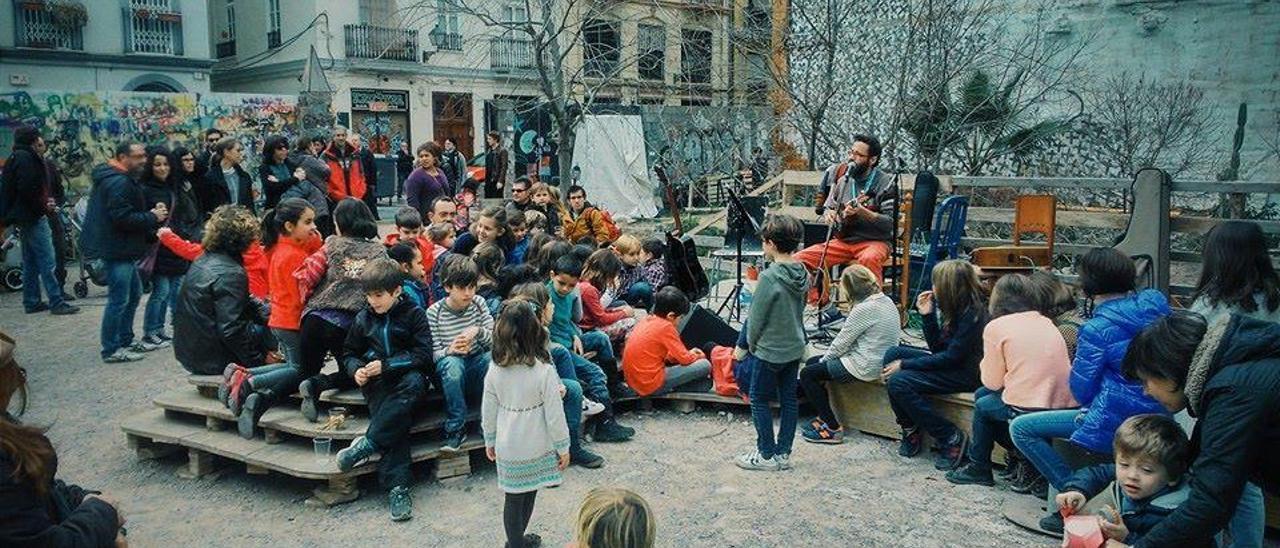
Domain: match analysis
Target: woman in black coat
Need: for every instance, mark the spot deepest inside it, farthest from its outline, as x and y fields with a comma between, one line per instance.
x=1227, y=375
x=226, y=181
x=277, y=172
x=36, y=509
x=215, y=322
x=161, y=185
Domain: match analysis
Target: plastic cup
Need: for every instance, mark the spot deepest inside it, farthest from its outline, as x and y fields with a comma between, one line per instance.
x=337, y=414
x=322, y=447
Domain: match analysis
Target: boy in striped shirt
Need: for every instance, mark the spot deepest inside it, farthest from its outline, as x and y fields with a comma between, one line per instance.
x=462, y=335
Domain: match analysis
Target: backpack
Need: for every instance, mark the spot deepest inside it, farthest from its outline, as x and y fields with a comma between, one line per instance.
x=612, y=227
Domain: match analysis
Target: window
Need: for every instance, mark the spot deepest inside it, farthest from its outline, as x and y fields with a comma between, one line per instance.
x=231, y=20
x=448, y=32
x=600, y=47
x=377, y=12
x=273, y=15
x=695, y=56
x=273, y=23
x=514, y=13
x=652, y=50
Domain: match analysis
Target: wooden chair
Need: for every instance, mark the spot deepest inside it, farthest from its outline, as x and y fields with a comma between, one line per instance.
x=1033, y=214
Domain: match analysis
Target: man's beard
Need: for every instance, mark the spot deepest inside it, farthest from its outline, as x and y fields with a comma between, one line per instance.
x=860, y=170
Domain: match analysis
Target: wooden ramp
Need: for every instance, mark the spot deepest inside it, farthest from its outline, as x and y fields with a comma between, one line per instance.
x=192, y=422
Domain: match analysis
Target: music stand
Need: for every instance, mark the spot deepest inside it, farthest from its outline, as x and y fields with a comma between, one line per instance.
x=744, y=217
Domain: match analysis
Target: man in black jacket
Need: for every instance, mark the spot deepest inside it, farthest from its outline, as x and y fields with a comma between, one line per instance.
x=1227, y=375
x=369, y=167
x=211, y=138
x=26, y=199
x=119, y=230
x=495, y=165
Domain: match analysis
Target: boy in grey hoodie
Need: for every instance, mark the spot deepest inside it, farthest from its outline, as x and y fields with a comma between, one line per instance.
x=775, y=335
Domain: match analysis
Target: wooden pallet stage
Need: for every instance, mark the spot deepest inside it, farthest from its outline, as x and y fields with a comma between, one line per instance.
x=193, y=422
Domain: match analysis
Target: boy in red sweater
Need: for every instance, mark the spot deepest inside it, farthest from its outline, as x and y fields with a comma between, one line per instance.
x=409, y=229
x=655, y=343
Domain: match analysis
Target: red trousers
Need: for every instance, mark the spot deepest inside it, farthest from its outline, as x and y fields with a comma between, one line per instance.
x=871, y=254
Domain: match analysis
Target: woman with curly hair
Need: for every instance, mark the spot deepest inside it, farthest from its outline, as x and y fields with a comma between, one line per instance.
x=215, y=322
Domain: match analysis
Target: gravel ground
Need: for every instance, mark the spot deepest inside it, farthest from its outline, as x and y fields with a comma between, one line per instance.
x=860, y=493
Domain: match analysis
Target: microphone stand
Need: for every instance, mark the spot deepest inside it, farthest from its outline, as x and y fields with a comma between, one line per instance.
x=735, y=313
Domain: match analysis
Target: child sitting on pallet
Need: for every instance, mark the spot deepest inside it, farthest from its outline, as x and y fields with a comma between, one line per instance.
x=655, y=343
x=463, y=335
x=388, y=353
x=599, y=275
x=870, y=328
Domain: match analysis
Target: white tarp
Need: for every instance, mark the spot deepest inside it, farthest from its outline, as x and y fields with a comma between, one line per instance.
x=610, y=150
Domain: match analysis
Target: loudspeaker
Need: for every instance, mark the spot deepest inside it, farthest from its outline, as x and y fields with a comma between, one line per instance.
x=923, y=201
x=700, y=326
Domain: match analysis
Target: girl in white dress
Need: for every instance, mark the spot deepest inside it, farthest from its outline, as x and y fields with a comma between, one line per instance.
x=522, y=417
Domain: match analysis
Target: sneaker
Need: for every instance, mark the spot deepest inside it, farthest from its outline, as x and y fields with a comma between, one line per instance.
x=359, y=452
x=164, y=336
x=1013, y=469
x=1040, y=489
x=1025, y=482
x=122, y=356
x=591, y=408
x=39, y=307
x=971, y=474
x=1052, y=522
x=64, y=309
x=754, y=461
x=310, y=393
x=952, y=452
x=783, y=460
x=912, y=442
x=400, y=502
x=239, y=390
x=156, y=341
x=67, y=297
x=611, y=432
x=252, y=409
x=532, y=541
x=143, y=346
x=453, y=441
x=627, y=430
x=224, y=388
x=811, y=426
x=824, y=434
x=585, y=459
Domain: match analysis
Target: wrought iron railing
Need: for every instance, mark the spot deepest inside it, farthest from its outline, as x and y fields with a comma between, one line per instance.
x=37, y=27
x=273, y=39
x=507, y=54
x=226, y=49
x=374, y=42
x=152, y=27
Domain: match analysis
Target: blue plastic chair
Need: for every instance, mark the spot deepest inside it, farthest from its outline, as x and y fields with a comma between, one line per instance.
x=944, y=241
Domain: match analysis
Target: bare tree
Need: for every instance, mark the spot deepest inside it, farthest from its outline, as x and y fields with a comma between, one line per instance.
x=1146, y=123
x=982, y=92
x=572, y=69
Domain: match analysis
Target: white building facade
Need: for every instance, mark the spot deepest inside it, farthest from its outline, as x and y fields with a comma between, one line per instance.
x=105, y=45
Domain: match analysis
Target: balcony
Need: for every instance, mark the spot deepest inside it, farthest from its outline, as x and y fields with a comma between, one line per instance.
x=273, y=39
x=386, y=43
x=39, y=26
x=446, y=41
x=226, y=49
x=152, y=27
x=508, y=54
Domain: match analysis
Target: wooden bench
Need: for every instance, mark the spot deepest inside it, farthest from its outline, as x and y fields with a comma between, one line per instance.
x=864, y=406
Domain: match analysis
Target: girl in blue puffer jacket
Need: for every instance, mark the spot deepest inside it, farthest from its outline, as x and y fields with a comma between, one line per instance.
x=1107, y=398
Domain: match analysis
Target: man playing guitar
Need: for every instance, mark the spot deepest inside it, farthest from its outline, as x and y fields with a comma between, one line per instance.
x=860, y=204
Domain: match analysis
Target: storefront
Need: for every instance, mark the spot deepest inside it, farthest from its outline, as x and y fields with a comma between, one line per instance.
x=381, y=117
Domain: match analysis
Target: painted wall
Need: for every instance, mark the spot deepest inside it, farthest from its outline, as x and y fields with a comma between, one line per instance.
x=82, y=128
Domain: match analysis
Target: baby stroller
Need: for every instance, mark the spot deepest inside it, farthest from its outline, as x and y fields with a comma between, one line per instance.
x=90, y=267
x=11, y=258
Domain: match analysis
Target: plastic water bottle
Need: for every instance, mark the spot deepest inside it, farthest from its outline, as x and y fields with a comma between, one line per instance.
x=744, y=298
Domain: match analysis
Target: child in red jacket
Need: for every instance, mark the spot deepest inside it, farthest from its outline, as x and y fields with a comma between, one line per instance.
x=255, y=259
x=655, y=360
x=599, y=274
x=409, y=229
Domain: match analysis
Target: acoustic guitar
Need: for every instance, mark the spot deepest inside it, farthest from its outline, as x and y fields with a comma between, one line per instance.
x=683, y=268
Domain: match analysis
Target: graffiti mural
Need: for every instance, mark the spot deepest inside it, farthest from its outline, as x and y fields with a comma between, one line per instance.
x=82, y=128
x=695, y=142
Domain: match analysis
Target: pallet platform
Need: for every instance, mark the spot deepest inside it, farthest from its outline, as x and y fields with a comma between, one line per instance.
x=193, y=422
x=686, y=402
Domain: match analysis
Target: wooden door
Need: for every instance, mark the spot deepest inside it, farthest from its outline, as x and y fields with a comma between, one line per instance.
x=451, y=116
